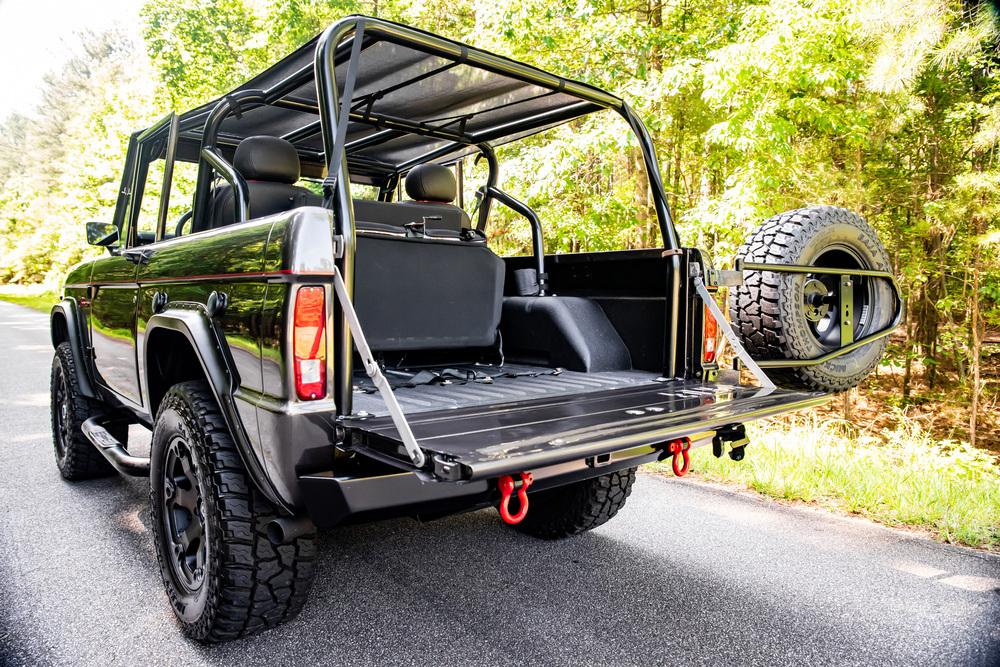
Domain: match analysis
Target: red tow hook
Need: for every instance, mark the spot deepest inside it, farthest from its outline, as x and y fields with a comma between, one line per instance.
x=507, y=484
x=682, y=460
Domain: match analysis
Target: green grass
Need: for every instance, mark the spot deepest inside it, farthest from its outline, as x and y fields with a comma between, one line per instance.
x=901, y=477
x=32, y=297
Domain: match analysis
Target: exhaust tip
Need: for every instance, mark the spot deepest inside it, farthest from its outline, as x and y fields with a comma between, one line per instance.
x=287, y=529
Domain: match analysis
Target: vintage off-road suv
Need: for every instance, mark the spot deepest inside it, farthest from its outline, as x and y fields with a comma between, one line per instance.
x=305, y=358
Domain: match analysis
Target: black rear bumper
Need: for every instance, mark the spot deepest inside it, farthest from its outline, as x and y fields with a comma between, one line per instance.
x=331, y=500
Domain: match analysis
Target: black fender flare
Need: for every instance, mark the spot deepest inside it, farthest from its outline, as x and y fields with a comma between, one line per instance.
x=68, y=309
x=193, y=322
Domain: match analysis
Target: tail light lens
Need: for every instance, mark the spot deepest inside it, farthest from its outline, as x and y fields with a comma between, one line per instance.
x=710, y=338
x=309, y=341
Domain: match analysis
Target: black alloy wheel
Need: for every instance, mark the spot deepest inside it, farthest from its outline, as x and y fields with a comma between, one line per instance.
x=184, y=516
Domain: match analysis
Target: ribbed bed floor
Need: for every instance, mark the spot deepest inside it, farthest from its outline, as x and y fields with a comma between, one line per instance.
x=425, y=397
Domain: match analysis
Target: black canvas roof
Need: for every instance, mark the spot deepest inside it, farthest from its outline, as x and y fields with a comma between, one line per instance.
x=414, y=99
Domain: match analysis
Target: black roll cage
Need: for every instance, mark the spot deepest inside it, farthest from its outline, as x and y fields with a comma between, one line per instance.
x=344, y=41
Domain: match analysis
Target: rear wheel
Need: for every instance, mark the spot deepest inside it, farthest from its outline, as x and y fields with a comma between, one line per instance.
x=223, y=577
x=797, y=316
x=578, y=507
x=76, y=457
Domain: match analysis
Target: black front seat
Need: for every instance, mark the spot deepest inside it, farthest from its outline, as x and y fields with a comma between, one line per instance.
x=270, y=166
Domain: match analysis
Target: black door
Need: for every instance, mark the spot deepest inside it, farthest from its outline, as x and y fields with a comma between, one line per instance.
x=114, y=279
x=112, y=325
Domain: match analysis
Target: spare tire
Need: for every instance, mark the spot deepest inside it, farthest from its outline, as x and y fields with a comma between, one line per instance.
x=797, y=316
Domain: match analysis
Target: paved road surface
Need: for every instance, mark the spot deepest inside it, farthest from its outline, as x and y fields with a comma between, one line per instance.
x=686, y=574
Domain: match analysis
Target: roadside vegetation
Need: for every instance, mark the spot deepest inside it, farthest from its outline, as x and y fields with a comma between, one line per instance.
x=887, y=107
x=900, y=477
x=32, y=296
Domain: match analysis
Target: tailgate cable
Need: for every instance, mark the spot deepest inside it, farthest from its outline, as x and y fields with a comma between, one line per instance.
x=507, y=485
x=727, y=330
x=375, y=373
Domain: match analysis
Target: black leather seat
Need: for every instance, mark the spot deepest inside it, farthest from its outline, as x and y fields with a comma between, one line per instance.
x=270, y=166
x=433, y=189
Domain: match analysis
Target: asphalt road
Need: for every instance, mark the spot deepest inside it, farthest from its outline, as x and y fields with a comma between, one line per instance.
x=686, y=574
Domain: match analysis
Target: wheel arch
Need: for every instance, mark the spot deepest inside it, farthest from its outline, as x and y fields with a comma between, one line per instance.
x=64, y=327
x=181, y=344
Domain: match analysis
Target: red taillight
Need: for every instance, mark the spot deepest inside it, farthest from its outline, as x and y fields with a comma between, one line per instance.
x=710, y=338
x=309, y=342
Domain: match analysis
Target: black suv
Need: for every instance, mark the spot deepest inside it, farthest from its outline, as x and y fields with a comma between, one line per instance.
x=304, y=358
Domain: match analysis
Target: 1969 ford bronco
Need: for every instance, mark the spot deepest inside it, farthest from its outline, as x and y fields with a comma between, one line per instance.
x=306, y=357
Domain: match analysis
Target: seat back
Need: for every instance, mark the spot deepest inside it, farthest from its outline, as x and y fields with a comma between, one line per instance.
x=270, y=166
x=434, y=286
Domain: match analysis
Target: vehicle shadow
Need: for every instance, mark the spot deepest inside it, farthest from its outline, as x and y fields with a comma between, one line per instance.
x=469, y=590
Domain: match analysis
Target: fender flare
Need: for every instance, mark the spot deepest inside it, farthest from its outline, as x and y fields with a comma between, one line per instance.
x=67, y=308
x=193, y=322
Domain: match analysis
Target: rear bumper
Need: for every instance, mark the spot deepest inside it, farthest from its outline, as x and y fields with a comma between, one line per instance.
x=331, y=500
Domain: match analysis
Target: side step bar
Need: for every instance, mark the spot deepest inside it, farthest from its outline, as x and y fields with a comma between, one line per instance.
x=113, y=451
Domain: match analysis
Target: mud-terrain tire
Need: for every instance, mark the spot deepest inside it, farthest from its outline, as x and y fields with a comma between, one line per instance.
x=76, y=457
x=771, y=313
x=578, y=507
x=227, y=580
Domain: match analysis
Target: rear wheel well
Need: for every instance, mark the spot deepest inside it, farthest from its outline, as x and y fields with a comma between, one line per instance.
x=170, y=359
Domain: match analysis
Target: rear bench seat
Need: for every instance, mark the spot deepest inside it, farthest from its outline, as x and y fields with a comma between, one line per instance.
x=423, y=278
x=434, y=285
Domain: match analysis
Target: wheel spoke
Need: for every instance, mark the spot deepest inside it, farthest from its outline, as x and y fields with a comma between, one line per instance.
x=187, y=499
x=191, y=534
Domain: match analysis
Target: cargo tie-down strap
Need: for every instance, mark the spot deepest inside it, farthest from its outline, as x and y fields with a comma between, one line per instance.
x=408, y=379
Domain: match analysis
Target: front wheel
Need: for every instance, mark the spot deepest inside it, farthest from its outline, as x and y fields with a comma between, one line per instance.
x=578, y=507
x=76, y=457
x=222, y=575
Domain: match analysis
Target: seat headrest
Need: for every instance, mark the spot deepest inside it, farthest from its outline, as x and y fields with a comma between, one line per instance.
x=265, y=158
x=431, y=182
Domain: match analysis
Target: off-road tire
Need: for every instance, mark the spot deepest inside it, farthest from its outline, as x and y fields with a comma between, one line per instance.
x=767, y=311
x=76, y=457
x=578, y=507
x=249, y=584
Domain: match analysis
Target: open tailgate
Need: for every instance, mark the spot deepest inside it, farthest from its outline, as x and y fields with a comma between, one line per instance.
x=483, y=442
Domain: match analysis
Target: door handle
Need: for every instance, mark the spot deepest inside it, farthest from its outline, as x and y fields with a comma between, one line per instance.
x=137, y=255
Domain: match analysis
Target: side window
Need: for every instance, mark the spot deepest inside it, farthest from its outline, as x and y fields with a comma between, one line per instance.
x=149, y=205
x=182, y=186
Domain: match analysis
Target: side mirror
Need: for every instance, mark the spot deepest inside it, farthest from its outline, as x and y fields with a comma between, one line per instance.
x=103, y=234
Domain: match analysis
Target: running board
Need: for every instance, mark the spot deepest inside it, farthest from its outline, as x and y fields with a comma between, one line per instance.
x=114, y=451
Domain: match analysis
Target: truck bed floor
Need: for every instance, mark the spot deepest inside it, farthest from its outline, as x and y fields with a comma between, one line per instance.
x=425, y=397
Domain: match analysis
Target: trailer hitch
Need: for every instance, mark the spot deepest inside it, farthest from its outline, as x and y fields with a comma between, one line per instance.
x=681, y=461
x=507, y=486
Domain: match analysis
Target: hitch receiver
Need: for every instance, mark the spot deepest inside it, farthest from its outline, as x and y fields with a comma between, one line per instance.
x=735, y=435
